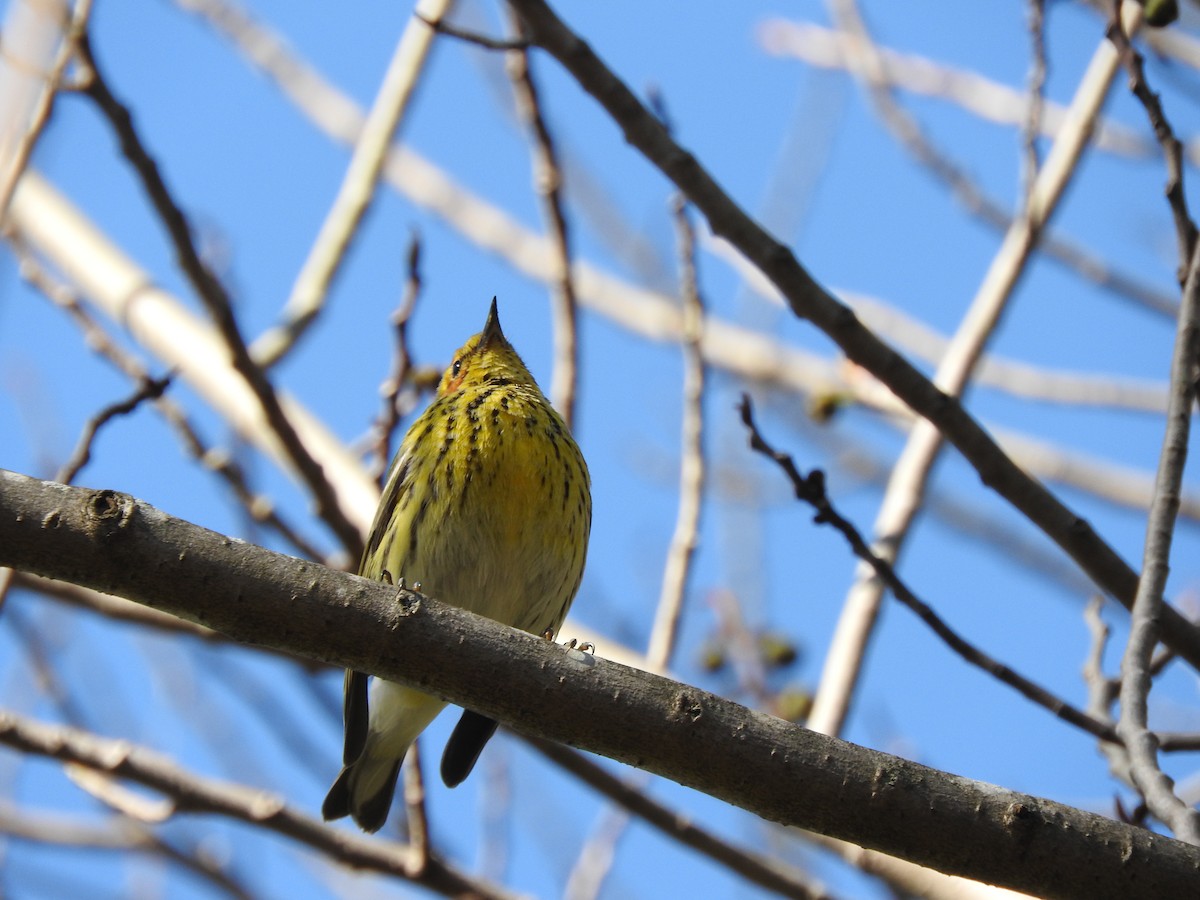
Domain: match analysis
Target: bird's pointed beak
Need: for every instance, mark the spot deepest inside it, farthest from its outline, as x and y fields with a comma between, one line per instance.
x=491, y=329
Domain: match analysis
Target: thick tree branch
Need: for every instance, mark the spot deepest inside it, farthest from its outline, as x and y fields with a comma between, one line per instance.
x=111, y=542
x=810, y=301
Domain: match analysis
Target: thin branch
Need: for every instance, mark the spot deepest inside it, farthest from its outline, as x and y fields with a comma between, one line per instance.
x=1175, y=742
x=192, y=793
x=218, y=304
x=117, y=833
x=1032, y=124
x=809, y=301
x=478, y=40
x=1142, y=746
x=258, y=506
x=918, y=339
x=595, y=861
x=684, y=540
x=811, y=489
x=148, y=389
x=768, y=874
x=1144, y=635
x=1185, y=228
x=548, y=181
x=74, y=31
x=388, y=421
x=1120, y=485
x=921, y=76
x=907, y=485
x=358, y=186
x=119, y=609
x=967, y=89
x=414, y=807
x=1101, y=690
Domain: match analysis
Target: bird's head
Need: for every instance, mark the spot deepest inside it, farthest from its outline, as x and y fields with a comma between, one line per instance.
x=486, y=358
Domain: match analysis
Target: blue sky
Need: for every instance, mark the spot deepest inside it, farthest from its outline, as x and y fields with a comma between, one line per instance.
x=799, y=146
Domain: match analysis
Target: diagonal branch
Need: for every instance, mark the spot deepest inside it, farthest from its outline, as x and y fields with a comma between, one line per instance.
x=358, y=186
x=773, y=875
x=217, y=301
x=777, y=770
x=810, y=301
x=811, y=489
x=191, y=793
x=907, y=484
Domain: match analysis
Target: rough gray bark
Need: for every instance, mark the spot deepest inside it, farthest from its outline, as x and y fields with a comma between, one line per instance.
x=111, y=542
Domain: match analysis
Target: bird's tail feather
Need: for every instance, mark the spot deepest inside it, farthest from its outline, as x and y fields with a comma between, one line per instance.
x=363, y=790
x=364, y=787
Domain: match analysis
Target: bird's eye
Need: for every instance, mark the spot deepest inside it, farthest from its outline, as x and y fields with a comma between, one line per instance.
x=455, y=368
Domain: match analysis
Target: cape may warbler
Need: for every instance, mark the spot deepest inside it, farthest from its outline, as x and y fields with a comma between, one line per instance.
x=487, y=506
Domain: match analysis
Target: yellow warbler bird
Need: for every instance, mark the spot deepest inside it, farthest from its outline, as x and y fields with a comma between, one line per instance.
x=488, y=506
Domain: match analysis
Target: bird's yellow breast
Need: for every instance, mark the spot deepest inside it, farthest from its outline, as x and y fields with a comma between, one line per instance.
x=492, y=506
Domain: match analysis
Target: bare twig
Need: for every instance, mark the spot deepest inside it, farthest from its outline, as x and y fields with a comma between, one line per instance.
x=218, y=304
x=414, y=807
x=1185, y=228
x=1136, y=680
x=116, y=833
x=1142, y=746
x=907, y=485
x=1032, y=124
x=357, y=190
x=192, y=793
x=770, y=874
x=1102, y=690
x=920, y=340
x=479, y=40
x=967, y=89
x=1172, y=742
x=73, y=32
x=148, y=389
x=385, y=426
x=257, y=506
x=548, y=181
x=677, y=571
x=1132, y=726
x=33, y=641
x=808, y=300
x=981, y=97
x=811, y=489
x=595, y=861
